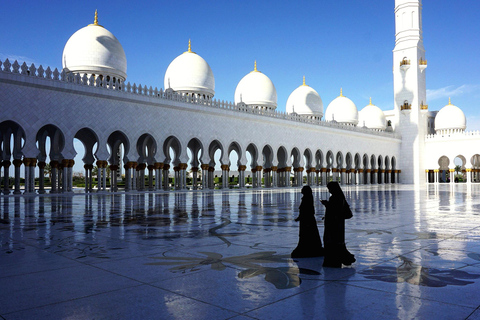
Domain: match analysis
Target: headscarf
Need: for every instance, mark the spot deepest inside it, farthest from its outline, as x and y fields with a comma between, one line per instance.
x=307, y=199
x=335, y=190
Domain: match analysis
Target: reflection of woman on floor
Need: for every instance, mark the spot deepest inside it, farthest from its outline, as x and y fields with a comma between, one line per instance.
x=336, y=252
x=309, y=243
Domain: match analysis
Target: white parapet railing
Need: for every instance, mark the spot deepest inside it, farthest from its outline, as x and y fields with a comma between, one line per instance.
x=453, y=135
x=109, y=82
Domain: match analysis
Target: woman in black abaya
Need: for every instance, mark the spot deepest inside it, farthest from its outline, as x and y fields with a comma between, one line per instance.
x=309, y=243
x=336, y=252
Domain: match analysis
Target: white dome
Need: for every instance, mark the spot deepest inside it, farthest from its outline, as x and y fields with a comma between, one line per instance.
x=95, y=50
x=190, y=73
x=372, y=117
x=305, y=101
x=256, y=89
x=450, y=117
x=342, y=110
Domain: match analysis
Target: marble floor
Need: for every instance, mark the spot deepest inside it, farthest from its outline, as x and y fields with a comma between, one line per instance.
x=225, y=255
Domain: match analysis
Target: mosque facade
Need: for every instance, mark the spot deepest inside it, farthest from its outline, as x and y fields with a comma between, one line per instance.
x=176, y=131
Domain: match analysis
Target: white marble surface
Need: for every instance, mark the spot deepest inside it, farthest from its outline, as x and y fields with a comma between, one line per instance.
x=225, y=255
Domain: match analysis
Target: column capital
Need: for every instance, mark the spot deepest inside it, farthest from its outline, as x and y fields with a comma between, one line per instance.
x=259, y=168
x=225, y=167
x=205, y=167
x=158, y=165
x=18, y=162
x=242, y=168
x=102, y=163
x=274, y=168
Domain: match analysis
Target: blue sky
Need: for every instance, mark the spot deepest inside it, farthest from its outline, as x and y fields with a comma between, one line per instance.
x=341, y=43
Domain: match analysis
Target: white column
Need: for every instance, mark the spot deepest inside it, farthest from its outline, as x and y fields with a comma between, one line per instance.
x=128, y=176
x=204, y=176
x=195, y=177
x=166, y=178
x=241, y=177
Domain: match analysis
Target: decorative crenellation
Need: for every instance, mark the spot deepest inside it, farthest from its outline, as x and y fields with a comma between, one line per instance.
x=111, y=83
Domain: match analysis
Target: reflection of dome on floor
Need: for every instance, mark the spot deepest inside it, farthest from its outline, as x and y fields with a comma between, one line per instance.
x=95, y=50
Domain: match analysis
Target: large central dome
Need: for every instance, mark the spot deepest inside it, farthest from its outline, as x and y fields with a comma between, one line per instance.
x=256, y=89
x=190, y=73
x=95, y=50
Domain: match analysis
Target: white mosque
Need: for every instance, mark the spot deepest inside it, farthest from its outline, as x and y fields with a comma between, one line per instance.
x=139, y=131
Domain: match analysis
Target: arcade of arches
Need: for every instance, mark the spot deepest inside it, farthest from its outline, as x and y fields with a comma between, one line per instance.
x=268, y=167
x=453, y=170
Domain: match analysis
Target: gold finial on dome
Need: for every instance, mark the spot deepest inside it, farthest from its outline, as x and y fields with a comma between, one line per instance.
x=449, y=101
x=370, y=104
x=303, y=81
x=341, y=92
x=95, y=20
x=189, y=50
x=255, y=67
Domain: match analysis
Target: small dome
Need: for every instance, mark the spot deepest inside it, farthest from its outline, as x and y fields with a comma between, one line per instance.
x=256, y=89
x=305, y=101
x=95, y=50
x=190, y=73
x=372, y=117
x=450, y=117
x=342, y=110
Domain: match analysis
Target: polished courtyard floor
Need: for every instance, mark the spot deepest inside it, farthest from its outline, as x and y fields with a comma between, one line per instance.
x=225, y=255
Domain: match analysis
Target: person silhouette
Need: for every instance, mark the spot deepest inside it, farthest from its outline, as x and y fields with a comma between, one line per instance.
x=309, y=243
x=336, y=252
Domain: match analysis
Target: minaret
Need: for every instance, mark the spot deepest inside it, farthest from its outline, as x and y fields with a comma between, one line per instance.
x=409, y=89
